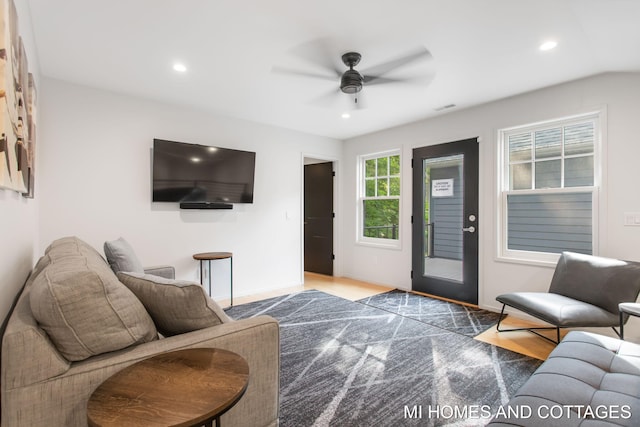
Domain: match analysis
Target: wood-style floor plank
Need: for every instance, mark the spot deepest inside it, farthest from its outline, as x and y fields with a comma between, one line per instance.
x=522, y=342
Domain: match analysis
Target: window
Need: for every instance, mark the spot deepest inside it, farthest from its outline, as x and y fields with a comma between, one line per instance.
x=548, y=188
x=379, y=201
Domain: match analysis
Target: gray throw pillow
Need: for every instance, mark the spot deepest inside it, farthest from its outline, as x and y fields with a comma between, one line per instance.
x=82, y=306
x=176, y=306
x=121, y=256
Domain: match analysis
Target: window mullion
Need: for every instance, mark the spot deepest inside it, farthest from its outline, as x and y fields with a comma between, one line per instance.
x=375, y=181
x=562, y=157
x=533, y=160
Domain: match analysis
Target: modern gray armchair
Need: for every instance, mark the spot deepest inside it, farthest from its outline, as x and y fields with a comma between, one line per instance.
x=585, y=292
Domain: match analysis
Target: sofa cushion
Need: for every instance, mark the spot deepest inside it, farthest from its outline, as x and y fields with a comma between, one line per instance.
x=584, y=372
x=65, y=249
x=121, y=256
x=82, y=306
x=175, y=306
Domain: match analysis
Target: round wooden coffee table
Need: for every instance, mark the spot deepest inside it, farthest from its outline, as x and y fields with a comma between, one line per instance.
x=181, y=388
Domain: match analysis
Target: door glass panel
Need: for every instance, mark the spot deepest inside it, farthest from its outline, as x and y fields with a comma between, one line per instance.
x=443, y=217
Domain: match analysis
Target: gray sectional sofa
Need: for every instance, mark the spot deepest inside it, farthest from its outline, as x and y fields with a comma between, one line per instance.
x=588, y=380
x=76, y=324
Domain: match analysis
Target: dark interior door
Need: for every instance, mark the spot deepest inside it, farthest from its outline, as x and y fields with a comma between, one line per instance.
x=445, y=220
x=318, y=218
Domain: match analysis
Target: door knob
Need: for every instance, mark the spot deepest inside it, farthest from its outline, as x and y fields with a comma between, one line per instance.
x=471, y=229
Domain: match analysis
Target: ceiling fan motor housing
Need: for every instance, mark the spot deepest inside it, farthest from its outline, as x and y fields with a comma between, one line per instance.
x=351, y=82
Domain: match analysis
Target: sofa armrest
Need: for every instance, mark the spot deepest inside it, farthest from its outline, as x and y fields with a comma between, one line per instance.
x=28, y=355
x=62, y=400
x=166, y=271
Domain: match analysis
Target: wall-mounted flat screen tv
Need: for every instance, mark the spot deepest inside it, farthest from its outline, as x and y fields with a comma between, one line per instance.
x=191, y=173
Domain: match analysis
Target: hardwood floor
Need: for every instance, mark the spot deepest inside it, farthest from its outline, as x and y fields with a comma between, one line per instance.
x=519, y=342
x=339, y=286
x=522, y=342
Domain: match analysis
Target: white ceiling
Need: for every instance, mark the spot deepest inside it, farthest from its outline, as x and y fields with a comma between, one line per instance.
x=481, y=50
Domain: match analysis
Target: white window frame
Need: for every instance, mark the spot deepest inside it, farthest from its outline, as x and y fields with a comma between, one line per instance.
x=546, y=258
x=361, y=192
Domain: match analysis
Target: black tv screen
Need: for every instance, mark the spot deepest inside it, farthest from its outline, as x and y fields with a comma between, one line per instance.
x=200, y=173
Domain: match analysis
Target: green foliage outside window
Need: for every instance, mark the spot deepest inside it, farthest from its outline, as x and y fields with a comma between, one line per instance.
x=381, y=218
x=381, y=204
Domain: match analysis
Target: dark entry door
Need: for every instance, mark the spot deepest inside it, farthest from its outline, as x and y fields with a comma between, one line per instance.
x=445, y=220
x=318, y=218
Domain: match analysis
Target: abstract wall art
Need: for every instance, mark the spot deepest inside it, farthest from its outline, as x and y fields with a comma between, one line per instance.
x=17, y=107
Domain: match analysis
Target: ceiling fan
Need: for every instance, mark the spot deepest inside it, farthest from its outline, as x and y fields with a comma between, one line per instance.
x=351, y=80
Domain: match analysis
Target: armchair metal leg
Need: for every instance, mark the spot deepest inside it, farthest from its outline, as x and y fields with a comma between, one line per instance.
x=532, y=330
x=621, y=327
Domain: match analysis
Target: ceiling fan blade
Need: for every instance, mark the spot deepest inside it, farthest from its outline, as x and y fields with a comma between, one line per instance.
x=319, y=52
x=300, y=73
x=386, y=67
x=327, y=99
x=377, y=80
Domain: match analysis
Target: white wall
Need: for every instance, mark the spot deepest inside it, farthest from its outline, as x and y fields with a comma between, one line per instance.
x=18, y=231
x=18, y=216
x=618, y=93
x=96, y=184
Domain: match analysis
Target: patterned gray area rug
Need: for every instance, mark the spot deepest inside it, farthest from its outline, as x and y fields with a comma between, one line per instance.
x=453, y=317
x=344, y=363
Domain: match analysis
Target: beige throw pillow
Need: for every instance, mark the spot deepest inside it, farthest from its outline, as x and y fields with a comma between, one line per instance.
x=175, y=306
x=82, y=306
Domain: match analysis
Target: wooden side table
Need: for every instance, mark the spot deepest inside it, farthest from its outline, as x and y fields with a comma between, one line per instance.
x=188, y=387
x=209, y=256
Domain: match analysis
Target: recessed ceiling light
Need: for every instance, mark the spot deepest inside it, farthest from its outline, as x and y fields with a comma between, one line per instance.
x=345, y=115
x=196, y=159
x=181, y=68
x=548, y=45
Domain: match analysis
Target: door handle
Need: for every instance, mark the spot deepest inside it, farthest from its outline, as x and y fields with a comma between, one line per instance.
x=471, y=229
